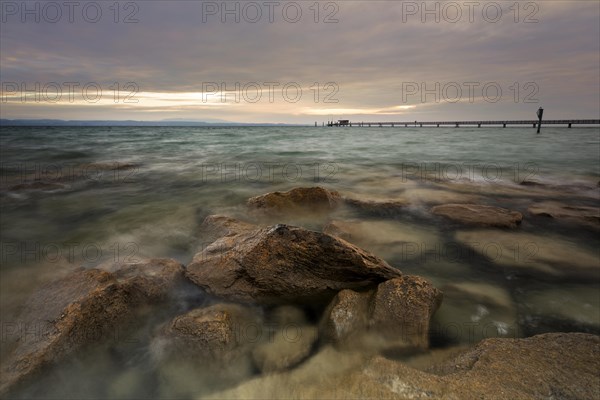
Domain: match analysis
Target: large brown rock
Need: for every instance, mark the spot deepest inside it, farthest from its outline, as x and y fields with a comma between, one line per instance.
x=553, y=365
x=285, y=265
x=549, y=366
x=394, y=317
x=476, y=214
x=312, y=199
x=401, y=311
x=88, y=305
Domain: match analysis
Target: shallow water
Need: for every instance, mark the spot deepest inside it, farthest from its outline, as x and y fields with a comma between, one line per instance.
x=127, y=193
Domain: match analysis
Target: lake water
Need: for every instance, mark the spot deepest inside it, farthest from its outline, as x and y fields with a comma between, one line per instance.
x=75, y=196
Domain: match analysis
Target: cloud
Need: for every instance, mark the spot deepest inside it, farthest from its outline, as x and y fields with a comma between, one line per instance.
x=369, y=53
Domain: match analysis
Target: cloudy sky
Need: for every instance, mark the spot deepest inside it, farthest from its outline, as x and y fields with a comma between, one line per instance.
x=300, y=62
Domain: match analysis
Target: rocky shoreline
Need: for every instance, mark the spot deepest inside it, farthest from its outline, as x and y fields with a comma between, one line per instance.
x=323, y=300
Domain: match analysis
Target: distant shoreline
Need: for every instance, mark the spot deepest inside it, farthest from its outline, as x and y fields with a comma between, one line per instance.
x=226, y=124
x=110, y=123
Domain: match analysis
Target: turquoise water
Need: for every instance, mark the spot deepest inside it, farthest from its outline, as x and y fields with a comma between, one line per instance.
x=178, y=173
x=81, y=195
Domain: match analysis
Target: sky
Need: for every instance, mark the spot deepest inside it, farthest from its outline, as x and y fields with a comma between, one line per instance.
x=299, y=62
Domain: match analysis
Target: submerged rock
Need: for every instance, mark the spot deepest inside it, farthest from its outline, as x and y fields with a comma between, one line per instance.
x=394, y=317
x=285, y=265
x=285, y=347
x=288, y=339
x=569, y=190
x=494, y=188
x=389, y=239
x=484, y=293
x=283, y=316
x=217, y=226
x=107, y=166
x=549, y=255
x=86, y=306
x=207, y=349
x=439, y=196
x=37, y=185
x=343, y=230
x=546, y=366
x=346, y=318
x=313, y=379
x=568, y=308
x=585, y=215
x=218, y=334
x=312, y=199
x=474, y=311
x=377, y=208
x=476, y=214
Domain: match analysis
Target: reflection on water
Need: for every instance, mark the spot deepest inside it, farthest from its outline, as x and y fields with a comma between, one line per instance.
x=80, y=196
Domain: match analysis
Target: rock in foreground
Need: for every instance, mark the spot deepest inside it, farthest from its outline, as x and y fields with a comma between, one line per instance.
x=476, y=214
x=285, y=265
x=553, y=365
x=549, y=366
x=394, y=317
x=84, y=307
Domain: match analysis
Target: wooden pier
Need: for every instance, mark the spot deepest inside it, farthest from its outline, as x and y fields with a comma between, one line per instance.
x=420, y=124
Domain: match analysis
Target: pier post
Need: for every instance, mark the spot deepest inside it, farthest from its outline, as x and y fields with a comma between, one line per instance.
x=504, y=125
x=438, y=125
x=479, y=125
x=406, y=125
x=569, y=125
x=392, y=125
x=421, y=125
x=540, y=113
